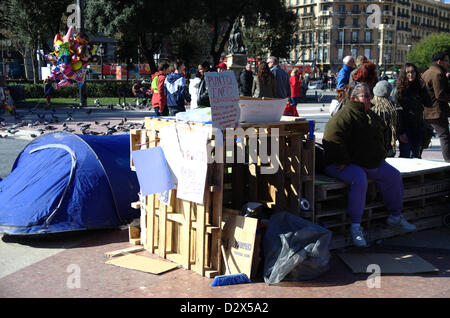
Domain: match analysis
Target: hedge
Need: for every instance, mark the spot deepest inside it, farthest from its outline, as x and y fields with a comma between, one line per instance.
x=94, y=89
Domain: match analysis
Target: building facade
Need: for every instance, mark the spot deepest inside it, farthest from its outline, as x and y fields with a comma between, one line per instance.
x=332, y=29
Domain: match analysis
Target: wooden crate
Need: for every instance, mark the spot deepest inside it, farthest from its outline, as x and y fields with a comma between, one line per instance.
x=425, y=201
x=189, y=233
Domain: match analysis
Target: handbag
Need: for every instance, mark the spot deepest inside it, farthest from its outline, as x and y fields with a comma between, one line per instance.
x=290, y=110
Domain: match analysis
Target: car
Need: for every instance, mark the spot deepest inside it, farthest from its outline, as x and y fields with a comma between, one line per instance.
x=315, y=85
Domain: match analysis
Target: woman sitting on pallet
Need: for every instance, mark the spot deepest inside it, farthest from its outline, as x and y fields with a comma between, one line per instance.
x=355, y=148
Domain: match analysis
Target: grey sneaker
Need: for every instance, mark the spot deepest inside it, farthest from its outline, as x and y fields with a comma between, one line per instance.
x=400, y=222
x=358, y=237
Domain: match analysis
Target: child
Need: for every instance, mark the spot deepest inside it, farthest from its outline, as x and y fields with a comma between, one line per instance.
x=48, y=91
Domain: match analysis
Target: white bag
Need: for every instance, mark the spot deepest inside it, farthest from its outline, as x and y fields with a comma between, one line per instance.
x=335, y=106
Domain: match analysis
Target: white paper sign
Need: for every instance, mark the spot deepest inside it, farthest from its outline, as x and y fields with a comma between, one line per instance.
x=186, y=154
x=224, y=97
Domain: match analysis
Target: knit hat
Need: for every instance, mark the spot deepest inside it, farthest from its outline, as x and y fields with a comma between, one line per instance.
x=382, y=89
x=221, y=65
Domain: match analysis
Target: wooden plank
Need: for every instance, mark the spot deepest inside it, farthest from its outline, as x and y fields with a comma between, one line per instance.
x=162, y=231
x=186, y=234
x=133, y=249
x=200, y=238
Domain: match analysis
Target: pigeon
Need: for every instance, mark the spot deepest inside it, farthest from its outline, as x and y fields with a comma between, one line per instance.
x=86, y=126
x=33, y=136
x=49, y=127
x=96, y=122
x=64, y=125
x=12, y=131
x=106, y=124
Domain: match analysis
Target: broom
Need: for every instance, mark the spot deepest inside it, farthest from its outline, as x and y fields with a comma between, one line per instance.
x=229, y=279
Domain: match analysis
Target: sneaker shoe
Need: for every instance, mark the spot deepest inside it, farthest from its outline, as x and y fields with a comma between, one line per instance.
x=400, y=221
x=358, y=237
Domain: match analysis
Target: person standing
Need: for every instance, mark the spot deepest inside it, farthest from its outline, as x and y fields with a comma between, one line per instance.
x=438, y=88
x=246, y=81
x=175, y=89
x=203, y=95
x=264, y=83
x=48, y=91
x=295, y=82
x=343, y=77
x=159, y=100
x=411, y=97
x=194, y=85
x=383, y=107
x=283, y=89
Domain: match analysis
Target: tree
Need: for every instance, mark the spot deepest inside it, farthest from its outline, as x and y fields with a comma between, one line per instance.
x=271, y=25
x=422, y=51
x=138, y=24
x=31, y=23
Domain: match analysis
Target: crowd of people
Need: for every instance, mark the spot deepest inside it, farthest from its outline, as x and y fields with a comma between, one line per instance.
x=375, y=115
x=170, y=91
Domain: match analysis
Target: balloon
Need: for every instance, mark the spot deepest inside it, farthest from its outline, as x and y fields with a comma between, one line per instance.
x=69, y=59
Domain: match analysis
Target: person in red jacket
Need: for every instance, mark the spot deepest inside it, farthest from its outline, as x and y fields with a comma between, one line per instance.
x=295, y=82
x=159, y=99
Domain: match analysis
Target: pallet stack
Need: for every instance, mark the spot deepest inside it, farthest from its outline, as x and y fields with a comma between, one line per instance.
x=425, y=201
x=190, y=234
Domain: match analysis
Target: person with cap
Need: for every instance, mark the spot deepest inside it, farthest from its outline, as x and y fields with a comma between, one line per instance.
x=383, y=107
x=355, y=151
x=221, y=67
x=411, y=97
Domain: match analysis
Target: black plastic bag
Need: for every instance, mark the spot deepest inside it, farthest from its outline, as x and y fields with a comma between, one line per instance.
x=294, y=249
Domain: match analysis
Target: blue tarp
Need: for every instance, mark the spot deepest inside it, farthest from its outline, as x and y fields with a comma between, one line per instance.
x=65, y=182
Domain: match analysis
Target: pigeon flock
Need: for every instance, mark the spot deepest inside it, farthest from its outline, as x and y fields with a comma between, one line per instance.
x=35, y=124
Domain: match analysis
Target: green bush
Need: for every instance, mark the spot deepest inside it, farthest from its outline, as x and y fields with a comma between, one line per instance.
x=94, y=89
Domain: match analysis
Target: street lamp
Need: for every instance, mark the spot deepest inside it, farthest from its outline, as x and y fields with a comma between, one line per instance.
x=101, y=52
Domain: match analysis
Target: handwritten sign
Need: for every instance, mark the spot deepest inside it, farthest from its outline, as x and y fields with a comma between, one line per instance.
x=186, y=154
x=224, y=97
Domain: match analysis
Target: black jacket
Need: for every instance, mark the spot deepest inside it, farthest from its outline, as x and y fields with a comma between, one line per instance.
x=246, y=83
x=203, y=96
x=411, y=107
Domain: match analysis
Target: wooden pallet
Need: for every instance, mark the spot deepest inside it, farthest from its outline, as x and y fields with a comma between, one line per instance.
x=190, y=234
x=426, y=196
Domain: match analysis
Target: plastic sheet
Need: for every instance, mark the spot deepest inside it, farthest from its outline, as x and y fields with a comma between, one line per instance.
x=294, y=249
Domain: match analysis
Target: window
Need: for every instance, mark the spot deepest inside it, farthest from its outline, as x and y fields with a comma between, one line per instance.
x=325, y=36
x=368, y=36
x=341, y=22
x=354, y=51
x=355, y=8
x=367, y=53
x=355, y=22
x=355, y=36
x=341, y=36
x=325, y=54
x=341, y=8
x=340, y=54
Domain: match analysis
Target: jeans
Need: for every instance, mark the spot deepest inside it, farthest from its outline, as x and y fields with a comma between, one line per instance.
x=173, y=110
x=387, y=178
x=413, y=148
x=440, y=125
x=165, y=112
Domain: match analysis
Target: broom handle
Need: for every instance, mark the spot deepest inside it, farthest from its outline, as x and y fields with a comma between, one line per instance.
x=225, y=259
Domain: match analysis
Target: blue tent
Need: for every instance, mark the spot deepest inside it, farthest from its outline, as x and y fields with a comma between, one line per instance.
x=64, y=182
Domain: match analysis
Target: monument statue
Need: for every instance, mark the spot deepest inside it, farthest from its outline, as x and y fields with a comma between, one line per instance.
x=235, y=43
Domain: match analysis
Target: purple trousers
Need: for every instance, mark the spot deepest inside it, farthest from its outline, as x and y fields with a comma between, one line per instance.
x=387, y=178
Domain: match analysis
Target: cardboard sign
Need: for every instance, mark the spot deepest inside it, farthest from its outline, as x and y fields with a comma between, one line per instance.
x=224, y=97
x=239, y=235
x=186, y=154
